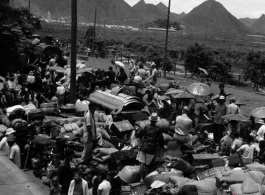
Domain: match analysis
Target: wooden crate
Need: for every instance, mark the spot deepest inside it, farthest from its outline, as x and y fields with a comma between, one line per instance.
x=234, y=160
x=212, y=173
x=204, y=159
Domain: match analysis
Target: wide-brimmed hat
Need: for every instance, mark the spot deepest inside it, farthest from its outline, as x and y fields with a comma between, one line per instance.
x=222, y=97
x=10, y=131
x=157, y=184
x=261, y=121
x=154, y=117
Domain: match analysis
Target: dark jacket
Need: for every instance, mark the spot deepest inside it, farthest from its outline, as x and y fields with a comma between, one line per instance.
x=65, y=174
x=151, y=135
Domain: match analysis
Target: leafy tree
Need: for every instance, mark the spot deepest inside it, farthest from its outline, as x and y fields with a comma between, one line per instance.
x=15, y=27
x=255, y=68
x=220, y=69
x=197, y=56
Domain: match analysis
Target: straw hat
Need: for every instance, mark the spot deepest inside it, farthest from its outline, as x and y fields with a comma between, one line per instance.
x=222, y=97
x=260, y=121
x=10, y=131
x=157, y=184
x=154, y=117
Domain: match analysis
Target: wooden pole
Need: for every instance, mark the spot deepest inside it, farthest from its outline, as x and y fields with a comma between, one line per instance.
x=94, y=36
x=73, y=51
x=165, y=62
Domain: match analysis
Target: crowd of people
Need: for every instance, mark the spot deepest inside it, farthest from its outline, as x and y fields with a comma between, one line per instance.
x=47, y=83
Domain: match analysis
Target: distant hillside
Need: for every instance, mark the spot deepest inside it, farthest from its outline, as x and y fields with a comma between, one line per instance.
x=259, y=25
x=109, y=11
x=248, y=21
x=163, y=8
x=214, y=16
x=149, y=11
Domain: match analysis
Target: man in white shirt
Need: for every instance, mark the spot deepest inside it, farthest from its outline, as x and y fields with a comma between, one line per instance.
x=60, y=93
x=4, y=147
x=232, y=108
x=118, y=64
x=14, y=150
x=261, y=131
x=104, y=187
x=183, y=127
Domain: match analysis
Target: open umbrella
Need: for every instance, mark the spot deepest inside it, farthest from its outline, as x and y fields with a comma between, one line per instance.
x=199, y=89
x=258, y=112
x=203, y=70
x=235, y=117
x=184, y=95
x=89, y=70
x=57, y=68
x=174, y=91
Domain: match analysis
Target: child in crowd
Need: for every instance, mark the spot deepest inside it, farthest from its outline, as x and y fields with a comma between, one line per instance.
x=56, y=187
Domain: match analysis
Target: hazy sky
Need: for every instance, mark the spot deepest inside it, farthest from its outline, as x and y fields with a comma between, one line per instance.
x=239, y=8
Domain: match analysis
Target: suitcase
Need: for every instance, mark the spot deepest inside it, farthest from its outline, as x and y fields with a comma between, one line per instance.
x=204, y=159
x=50, y=111
x=234, y=160
x=212, y=173
x=36, y=114
x=121, y=128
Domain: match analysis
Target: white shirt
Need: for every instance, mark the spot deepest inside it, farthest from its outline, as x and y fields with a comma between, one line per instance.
x=261, y=133
x=4, y=147
x=119, y=64
x=31, y=79
x=60, y=90
x=233, y=109
x=248, y=151
x=15, y=155
x=104, y=187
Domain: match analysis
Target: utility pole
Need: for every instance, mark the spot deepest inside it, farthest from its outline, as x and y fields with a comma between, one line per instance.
x=29, y=5
x=168, y=15
x=94, y=37
x=73, y=51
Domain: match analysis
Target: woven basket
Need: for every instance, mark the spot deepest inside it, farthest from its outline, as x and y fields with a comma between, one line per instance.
x=161, y=177
x=130, y=174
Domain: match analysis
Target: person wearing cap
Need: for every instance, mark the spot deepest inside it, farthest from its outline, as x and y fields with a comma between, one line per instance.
x=4, y=147
x=183, y=127
x=261, y=131
x=14, y=155
x=232, y=108
x=220, y=111
x=150, y=136
x=65, y=173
